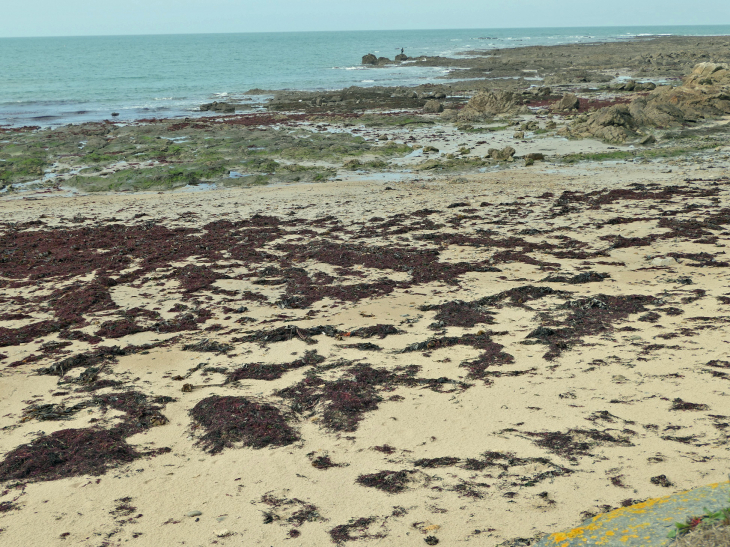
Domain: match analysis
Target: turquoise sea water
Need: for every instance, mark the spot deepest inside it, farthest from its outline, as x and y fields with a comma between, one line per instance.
x=51, y=81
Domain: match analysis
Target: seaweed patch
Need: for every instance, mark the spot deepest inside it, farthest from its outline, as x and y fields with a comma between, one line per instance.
x=226, y=421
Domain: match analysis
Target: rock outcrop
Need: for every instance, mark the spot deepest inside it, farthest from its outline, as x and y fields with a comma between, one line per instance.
x=490, y=103
x=704, y=95
x=401, y=57
x=567, y=102
x=215, y=106
x=632, y=85
x=501, y=155
x=369, y=59
x=433, y=107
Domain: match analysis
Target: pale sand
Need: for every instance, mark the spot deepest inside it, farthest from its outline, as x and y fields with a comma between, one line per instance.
x=556, y=396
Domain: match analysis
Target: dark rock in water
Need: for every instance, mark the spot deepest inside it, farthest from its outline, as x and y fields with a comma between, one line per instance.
x=369, y=59
x=215, y=106
x=115, y=114
x=401, y=57
x=384, y=61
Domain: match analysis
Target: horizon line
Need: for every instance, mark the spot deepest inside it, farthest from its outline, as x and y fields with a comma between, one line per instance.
x=358, y=30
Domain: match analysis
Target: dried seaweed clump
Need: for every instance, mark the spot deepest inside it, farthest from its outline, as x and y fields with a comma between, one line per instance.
x=344, y=532
x=460, y=314
x=588, y=317
x=345, y=400
x=583, y=277
x=576, y=442
x=91, y=451
x=392, y=482
x=208, y=346
x=230, y=420
x=69, y=453
x=260, y=371
x=446, y=461
x=679, y=404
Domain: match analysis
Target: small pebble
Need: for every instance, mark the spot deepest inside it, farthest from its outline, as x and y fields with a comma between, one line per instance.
x=194, y=514
x=223, y=533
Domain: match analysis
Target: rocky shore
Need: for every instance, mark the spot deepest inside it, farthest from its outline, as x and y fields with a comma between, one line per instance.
x=479, y=311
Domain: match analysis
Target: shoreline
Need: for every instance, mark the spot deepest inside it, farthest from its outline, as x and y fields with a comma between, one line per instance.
x=460, y=68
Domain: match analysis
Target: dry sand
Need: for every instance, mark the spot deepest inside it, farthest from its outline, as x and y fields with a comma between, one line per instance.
x=536, y=441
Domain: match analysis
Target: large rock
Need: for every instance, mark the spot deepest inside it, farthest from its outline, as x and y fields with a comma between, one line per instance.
x=568, y=102
x=401, y=57
x=433, y=107
x=704, y=95
x=633, y=85
x=369, y=59
x=611, y=124
x=501, y=155
x=708, y=74
x=215, y=106
x=490, y=103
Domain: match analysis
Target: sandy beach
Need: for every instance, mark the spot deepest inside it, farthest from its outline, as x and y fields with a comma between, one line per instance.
x=482, y=349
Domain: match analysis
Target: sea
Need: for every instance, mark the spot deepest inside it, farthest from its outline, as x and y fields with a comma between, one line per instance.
x=60, y=80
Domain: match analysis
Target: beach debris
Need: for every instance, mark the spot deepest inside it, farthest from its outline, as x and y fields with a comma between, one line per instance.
x=661, y=480
x=70, y=453
x=226, y=421
x=261, y=371
x=667, y=261
x=208, y=345
x=392, y=482
x=354, y=530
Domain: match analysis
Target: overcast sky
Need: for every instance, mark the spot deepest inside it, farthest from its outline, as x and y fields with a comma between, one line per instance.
x=92, y=17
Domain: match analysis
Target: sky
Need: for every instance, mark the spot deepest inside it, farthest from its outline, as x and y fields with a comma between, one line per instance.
x=115, y=17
